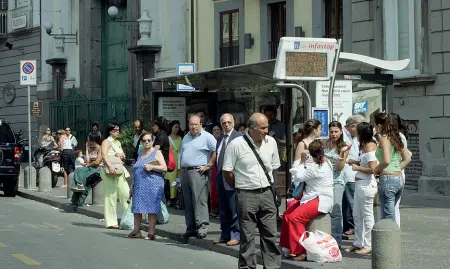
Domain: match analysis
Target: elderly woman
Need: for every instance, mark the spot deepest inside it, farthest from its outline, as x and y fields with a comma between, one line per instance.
x=67, y=155
x=317, y=198
x=79, y=186
x=114, y=176
x=148, y=186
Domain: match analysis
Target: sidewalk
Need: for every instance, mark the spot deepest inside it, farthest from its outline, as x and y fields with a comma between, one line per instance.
x=425, y=221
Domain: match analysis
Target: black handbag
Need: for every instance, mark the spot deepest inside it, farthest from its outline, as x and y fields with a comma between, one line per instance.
x=276, y=196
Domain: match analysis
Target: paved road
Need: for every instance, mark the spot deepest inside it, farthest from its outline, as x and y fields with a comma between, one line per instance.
x=35, y=235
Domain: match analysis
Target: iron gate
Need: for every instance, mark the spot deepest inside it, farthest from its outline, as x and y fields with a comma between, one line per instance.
x=79, y=113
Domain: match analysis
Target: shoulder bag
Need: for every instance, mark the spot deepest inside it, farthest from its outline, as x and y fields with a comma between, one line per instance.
x=115, y=162
x=276, y=197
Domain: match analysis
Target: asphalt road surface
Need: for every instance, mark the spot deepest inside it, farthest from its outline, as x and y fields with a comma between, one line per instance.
x=35, y=235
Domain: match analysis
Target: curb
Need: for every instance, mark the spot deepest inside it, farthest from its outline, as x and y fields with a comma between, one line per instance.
x=201, y=243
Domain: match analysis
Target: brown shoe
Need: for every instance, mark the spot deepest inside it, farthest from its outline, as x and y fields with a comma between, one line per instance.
x=232, y=243
x=219, y=241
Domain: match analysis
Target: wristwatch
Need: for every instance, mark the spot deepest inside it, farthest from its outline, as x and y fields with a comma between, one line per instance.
x=208, y=165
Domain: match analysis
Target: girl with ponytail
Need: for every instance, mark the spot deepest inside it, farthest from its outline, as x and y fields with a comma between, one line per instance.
x=317, y=198
x=393, y=157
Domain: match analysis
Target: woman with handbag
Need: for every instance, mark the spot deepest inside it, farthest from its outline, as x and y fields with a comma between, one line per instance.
x=317, y=198
x=148, y=186
x=336, y=151
x=67, y=155
x=175, y=139
x=114, y=176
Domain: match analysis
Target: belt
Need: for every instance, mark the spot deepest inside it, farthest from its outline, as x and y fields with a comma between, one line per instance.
x=190, y=168
x=260, y=190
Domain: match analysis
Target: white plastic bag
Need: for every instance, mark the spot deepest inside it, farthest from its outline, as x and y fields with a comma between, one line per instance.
x=321, y=247
x=127, y=220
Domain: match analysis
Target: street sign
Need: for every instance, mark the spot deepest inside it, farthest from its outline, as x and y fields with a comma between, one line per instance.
x=37, y=109
x=28, y=73
x=186, y=68
x=305, y=59
x=322, y=115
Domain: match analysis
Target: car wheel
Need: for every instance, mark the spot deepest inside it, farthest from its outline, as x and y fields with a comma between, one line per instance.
x=11, y=187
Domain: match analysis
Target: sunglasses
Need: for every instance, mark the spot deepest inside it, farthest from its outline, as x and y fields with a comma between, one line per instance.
x=147, y=140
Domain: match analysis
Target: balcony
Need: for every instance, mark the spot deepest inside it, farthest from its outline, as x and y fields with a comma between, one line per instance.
x=229, y=55
x=3, y=22
x=273, y=49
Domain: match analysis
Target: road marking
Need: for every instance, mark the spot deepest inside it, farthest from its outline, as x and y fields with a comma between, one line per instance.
x=25, y=259
x=2, y=245
x=54, y=226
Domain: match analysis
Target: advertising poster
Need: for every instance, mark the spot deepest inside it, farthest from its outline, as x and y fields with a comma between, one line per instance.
x=342, y=99
x=173, y=108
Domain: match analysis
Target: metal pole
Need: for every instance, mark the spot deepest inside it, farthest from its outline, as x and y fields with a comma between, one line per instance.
x=300, y=87
x=333, y=79
x=30, y=175
x=288, y=128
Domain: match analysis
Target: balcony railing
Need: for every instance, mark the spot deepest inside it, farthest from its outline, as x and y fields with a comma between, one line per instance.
x=229, y=55
x=273, y=49
x=3, y=22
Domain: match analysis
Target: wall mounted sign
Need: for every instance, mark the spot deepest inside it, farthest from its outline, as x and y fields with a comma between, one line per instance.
x=9, y=93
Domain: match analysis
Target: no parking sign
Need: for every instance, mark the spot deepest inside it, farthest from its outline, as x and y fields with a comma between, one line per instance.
x=28, y=73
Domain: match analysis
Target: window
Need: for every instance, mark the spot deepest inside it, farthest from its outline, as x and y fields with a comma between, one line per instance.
x=229, y=38
x=3, y=4
x=402, y=34
x=277, y=13
x=333, y=19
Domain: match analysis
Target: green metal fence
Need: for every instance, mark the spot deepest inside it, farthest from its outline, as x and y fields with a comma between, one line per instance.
x=79, y=113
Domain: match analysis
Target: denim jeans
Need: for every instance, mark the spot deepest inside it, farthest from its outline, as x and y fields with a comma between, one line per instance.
x=336, y=213
x=347, y=207
x=390, y=190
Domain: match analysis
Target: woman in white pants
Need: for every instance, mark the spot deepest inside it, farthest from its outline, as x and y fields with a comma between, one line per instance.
x=365, y=190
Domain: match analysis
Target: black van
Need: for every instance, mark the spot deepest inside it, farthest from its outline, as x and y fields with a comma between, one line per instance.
x=10, y=154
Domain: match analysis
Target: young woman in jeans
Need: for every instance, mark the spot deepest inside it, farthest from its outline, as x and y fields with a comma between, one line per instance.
x=336, y=151
x=393, y=158
x=365, y=190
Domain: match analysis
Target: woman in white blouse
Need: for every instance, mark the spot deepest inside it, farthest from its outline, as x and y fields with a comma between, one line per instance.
x=317, y=198
x=365, y=190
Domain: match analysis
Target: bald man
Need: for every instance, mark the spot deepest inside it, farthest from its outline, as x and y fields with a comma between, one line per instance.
x=196, y=148
x=229, y=224
x=253, y=185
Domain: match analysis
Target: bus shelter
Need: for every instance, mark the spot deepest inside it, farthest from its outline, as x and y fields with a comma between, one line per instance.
x=364, y=73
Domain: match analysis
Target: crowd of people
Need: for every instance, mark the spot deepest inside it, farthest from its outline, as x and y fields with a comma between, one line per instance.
x=230, y=173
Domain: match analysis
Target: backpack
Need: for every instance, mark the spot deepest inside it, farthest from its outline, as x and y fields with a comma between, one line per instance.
x=171, y=164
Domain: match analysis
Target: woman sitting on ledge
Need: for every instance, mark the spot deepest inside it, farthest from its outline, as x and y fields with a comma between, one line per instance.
x=80, y=185
x=317, y=198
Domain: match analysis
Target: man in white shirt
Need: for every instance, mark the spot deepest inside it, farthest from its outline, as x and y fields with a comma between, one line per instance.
x=254, y=197
x=73, y=139
x=350, y=138
x=229, y=223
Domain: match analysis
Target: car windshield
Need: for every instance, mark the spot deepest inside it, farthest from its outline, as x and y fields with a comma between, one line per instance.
x=6, y=134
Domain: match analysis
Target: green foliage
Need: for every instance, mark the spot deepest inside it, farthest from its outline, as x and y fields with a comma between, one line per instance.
x=126, y=139
x=144, y=111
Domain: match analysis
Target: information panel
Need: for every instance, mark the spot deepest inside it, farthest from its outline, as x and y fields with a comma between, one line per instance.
x=322, y=115
x=306, y=64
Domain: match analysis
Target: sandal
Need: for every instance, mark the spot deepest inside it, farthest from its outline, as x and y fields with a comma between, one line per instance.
x=150, y=237
x=115, y=227
x=301, y=257
x=363, y=251
x=351, y=249
x=134, y=235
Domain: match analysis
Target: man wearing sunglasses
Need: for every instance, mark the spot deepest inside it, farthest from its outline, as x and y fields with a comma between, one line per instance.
x=73, y=139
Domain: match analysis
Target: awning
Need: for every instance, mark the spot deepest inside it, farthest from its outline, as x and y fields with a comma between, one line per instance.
x=350, y=66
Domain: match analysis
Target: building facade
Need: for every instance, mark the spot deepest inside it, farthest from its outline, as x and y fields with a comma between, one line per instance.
x=247, y=31
x=98, y=54
x=20, y=39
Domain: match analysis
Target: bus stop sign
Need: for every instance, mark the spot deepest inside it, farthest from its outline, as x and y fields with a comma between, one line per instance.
x=305, y=59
